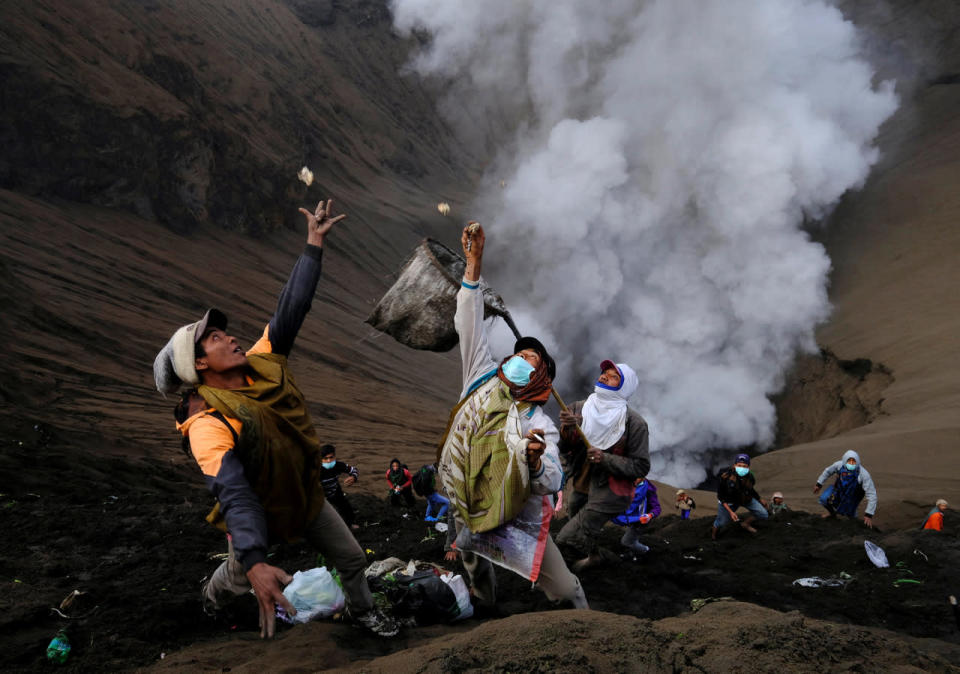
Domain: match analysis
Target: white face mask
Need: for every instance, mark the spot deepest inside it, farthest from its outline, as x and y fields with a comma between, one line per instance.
x=851, y=466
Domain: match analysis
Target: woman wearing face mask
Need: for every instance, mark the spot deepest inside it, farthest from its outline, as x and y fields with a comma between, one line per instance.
x=500, y=449
x=852, y=484
x=738, y=488
x=603, y=474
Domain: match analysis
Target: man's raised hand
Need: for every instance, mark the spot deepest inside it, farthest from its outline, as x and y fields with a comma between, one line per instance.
x=320, y=222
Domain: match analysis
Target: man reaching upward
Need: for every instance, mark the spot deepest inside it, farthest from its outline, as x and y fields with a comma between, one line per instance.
x=248, y=428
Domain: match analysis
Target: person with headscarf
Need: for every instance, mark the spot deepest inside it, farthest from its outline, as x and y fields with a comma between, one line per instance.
x=499, y=452
x=605, y=461
x=737, y=489
x=852, y=484
x=685, y=504
x=777, y=506
x=934, y=518
x=400, y=482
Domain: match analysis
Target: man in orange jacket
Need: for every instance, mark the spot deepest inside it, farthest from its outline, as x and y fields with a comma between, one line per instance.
x=935, y=518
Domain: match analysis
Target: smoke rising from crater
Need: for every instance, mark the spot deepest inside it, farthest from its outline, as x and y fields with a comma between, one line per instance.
x=659, y=159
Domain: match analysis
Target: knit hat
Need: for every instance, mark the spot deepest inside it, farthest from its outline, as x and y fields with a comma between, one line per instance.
x=745, y=458
x=174, y=365
x=941, y=502
x=777, y=494
x=681, y=492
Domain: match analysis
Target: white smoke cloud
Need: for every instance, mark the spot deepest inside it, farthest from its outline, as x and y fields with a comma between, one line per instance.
x=660, y=157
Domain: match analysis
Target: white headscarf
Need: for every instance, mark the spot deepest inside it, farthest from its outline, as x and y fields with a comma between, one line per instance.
x=605, y=411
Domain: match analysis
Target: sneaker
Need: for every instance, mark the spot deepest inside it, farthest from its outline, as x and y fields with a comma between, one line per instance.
x=378, y=623
x=429, y=519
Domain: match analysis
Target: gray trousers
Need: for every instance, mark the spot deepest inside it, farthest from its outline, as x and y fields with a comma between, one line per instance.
x=332, y=538
x=583, y=529
x=555, y=579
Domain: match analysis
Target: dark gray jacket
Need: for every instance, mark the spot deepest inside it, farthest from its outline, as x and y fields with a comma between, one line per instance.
x=633, y=463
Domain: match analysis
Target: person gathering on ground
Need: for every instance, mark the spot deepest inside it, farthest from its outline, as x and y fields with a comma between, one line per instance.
x=685, y=504
x=330, y=471
x=502, y=465
x=401, y=485
x=852, y=484
x=738, y=490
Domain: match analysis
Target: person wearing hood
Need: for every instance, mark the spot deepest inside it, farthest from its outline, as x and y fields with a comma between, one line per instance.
x=401, y=485
x=605, y=467
x=499, y=451
x=245, y=421
x=852, y=484
x=738, y=489
x=644, y=507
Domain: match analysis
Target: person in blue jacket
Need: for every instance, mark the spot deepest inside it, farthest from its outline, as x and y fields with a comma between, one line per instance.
x=643, y=507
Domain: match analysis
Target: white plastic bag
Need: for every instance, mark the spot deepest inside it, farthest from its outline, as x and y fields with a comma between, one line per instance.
x=315, y=594
x=462, y=594
x=876, y=555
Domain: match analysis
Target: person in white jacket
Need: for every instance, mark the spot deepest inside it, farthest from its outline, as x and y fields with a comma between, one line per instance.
x=522, y=384
x=852, y=484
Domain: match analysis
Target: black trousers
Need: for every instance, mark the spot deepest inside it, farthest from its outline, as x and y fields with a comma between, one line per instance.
x=405, y=495
x=339, y=501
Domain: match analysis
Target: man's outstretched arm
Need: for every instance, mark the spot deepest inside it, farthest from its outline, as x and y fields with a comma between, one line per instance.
x=297, y=295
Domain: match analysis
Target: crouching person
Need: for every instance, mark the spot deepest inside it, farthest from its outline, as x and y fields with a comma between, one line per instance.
x=246, y=423
x=852, y=484
x=643, y=508
x=738, y=489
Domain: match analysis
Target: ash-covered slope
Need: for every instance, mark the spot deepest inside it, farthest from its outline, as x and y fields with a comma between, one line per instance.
x=149, y=171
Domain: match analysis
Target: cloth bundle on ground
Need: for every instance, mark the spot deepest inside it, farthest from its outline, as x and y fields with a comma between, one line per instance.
x=417, y=592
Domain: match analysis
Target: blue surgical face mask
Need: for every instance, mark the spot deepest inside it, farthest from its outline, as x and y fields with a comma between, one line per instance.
x=328, y=464
x=741, y=470
x=518, y=371
x=851, y=466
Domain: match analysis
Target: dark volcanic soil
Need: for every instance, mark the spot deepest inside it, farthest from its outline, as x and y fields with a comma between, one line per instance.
x=131, y=536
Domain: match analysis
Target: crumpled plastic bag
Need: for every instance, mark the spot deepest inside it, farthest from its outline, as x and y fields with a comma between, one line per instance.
x=315, y=594
x=460, y=590
x=876, y=555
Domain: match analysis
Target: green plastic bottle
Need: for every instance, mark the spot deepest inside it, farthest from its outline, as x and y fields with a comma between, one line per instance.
x=59, y=648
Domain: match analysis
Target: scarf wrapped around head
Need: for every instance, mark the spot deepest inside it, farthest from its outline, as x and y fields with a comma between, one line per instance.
x=605, y=411
x=537, y=391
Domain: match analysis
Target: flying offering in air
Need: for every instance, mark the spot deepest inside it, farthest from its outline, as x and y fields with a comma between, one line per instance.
x=306, y=175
